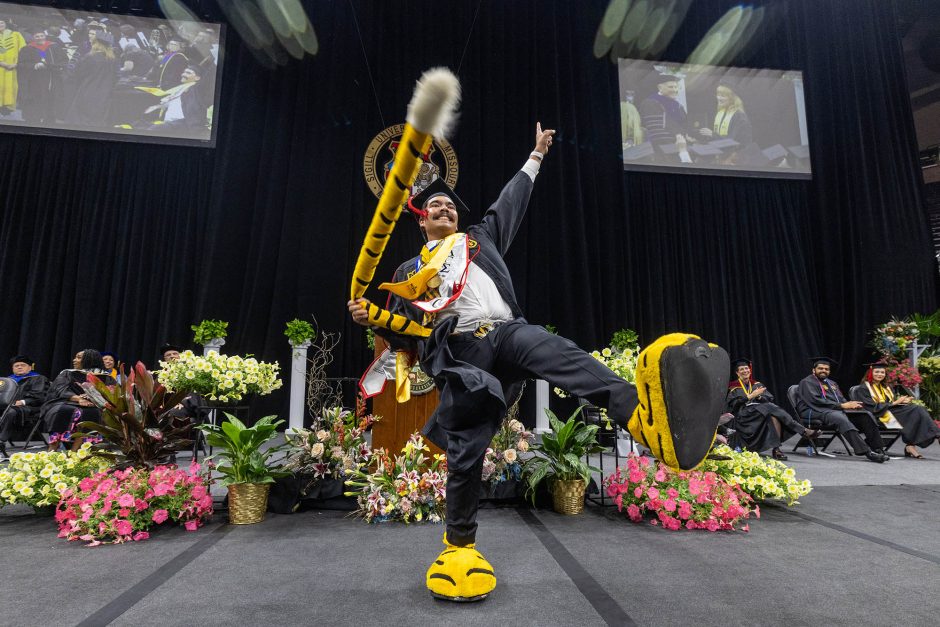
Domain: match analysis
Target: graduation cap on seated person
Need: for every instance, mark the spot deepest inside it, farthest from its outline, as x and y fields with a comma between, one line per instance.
x=824, y=360
x=417, y=204
x=741, y=361
x=21, y=359
x=169, y=347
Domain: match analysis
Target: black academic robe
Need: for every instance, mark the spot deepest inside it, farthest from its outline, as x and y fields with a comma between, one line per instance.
x=57, y=410
x=753, y=428
x=40, y=88
x=94, y=78
x=490, y=240
x=169, y=70
x=32, y=390
x=918, y=428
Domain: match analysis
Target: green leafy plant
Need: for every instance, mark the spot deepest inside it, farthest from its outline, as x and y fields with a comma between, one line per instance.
x=370, y=338
x=299, y=331
x=208, y=330
x=242, y=459
x=625, y=339
x=551, y=328
x=136, y=420
x=560, y=455
x=928, y=326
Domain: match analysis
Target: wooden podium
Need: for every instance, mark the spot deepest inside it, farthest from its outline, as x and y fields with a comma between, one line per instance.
x=399, y=420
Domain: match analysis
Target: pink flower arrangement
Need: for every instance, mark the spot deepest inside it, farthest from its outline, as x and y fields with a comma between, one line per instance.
x=677, y=500
x=118, y=506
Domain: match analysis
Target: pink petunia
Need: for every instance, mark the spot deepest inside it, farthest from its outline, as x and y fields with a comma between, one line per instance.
x=140, y=505
x=660, y=475
x=199, y=491
x=87, y=484
x=638, y=492
x=161, y=489
x=672, y=492
x=160, y=516
x=191, y=525
x=126, y=500
x=636, y=476
x=669, y=505
x=140, y=535
x=653, y=493
x=123, y=527
x=634, y=513
x=685, y=510
x=124, y=512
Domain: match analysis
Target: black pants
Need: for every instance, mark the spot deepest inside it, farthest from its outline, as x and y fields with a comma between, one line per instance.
x=15, y=417
x=849, y=423
x=512, y=352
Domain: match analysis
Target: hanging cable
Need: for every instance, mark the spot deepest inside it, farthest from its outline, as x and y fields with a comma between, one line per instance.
x=368, y=68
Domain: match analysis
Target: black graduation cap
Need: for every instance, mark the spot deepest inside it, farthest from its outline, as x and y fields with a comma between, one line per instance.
x=26, y=359
x=169, y=347
x=437, y=187
x=740, y=361
x=876, y=364
x=108, y=354
x=829, y=361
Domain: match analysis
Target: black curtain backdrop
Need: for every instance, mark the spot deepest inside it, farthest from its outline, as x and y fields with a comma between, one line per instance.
x=123, y=246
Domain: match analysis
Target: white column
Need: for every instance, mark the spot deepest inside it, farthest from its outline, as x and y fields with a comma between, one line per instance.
x=916, y=350
x=541, y=404
x=298, y=384
x=212, y=346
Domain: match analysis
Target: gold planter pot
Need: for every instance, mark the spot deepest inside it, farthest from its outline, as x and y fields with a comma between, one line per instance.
x=247, y=502
x=568, y=496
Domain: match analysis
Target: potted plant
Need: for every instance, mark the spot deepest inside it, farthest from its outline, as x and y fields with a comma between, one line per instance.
x=245, y=468
x=210, y=333
x=299, y=332
x=560, y=460
x=137, y=425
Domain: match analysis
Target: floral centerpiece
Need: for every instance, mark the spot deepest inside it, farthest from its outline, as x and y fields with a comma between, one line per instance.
x=620, y=356
x=690, y=499
x=892, y=338
x=335, y=444
x=761, y=477
x=218, y=377
x=38, y=479
x=408, y=488
x=502, y=461
x=123, y=505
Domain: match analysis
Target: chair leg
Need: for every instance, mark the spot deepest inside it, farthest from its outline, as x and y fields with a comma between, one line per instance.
x=29, y=438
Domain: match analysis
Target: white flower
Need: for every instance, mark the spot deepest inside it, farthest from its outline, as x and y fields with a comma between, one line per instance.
x=516, y=426
x=323, y=435
x=509, y=455
x=523, y=446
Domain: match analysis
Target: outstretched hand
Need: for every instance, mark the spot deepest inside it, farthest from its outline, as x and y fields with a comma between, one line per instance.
x=543, y=139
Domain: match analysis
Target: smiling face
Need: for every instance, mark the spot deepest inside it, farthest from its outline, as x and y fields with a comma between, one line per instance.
x=878, y=374
x=77, y=360
x=821, y=371
x=744, y=372
x=724, y=96
x=669, y=88
x=108, y=361
x=441, y=220
x=39, y=37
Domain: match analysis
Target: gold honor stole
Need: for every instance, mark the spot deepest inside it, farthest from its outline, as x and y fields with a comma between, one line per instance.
x=884, y=395
x=722, y=122
x=443, y=274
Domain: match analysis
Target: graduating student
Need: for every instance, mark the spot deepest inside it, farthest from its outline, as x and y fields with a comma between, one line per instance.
x=94, y=76
x=758, y=423
x=31, y=392
x=67, y=404
x=481, y=348
x=889, y=403
x=819, y=398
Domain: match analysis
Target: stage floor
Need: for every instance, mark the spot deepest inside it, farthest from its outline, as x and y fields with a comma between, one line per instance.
x=862, y=549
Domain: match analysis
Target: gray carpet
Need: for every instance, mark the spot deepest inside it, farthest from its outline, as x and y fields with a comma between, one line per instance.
x=849, y=554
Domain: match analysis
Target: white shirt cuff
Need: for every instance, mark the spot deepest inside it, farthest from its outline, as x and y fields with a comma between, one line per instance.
x=531, y=167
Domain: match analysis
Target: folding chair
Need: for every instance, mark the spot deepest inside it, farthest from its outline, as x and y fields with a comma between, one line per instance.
x=888, y=436
x=825, y=436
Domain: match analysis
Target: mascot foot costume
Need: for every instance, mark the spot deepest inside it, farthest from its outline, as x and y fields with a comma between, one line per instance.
x=460, y=574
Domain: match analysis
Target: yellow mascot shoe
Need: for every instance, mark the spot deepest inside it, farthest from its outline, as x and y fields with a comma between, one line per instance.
x=682, y=381
x=460, y=574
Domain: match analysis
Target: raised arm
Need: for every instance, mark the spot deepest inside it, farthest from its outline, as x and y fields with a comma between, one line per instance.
x=503, y=218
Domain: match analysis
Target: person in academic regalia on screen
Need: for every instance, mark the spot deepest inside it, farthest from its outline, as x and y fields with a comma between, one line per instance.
x=167, y=72
x=894, y=404
x=758, y=422
x=40, y=68
x=11, y=42
x=731, y=122
x=94, y=77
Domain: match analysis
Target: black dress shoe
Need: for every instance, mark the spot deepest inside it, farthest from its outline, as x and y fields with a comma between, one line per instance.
x=878, y=458
x=778, y=454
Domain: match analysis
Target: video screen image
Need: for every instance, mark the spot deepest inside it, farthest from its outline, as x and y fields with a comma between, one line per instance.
x=713, y=120
x=86, y=74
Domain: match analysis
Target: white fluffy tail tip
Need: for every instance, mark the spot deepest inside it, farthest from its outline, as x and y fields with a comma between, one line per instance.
x=433, y=107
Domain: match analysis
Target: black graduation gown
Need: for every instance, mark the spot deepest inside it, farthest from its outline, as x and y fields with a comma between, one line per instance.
x=57, y=411
x=752, y=424
x=917, y=427
x=40, y=88
x=95, y=76
x=32, y=390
